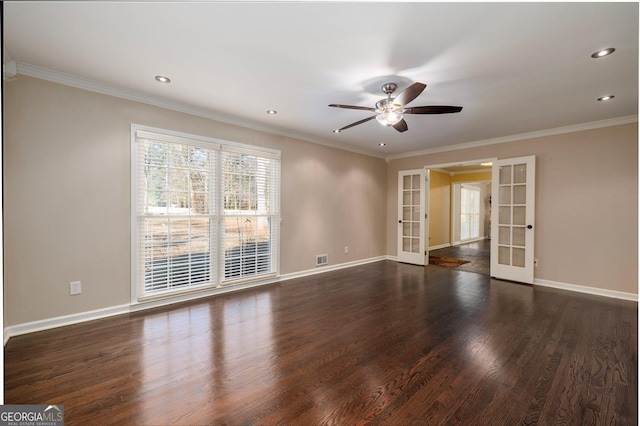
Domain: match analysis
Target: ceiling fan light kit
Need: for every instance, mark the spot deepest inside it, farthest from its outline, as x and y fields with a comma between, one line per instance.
x=390, y=111
x=389, y=119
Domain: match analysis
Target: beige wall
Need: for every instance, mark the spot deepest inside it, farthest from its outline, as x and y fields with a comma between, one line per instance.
x=439, y=208
x=471, y=177
x=441, y=204
x=67, y=197
x=586, y=230
x=483, y=181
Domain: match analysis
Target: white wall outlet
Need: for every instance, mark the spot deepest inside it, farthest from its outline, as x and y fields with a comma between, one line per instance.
x=75, y=287
x=346, y=249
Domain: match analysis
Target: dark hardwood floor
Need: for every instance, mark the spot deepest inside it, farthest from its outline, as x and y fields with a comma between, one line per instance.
x=383, y=343
x=477, y=253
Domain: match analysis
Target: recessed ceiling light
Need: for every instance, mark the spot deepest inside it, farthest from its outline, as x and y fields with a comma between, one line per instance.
x=336, y=131
x=272, y=112
x=603, y=53
x=606, y=98
x=163, y=79
x=382, y=144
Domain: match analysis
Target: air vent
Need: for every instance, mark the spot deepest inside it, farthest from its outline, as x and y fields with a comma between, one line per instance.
x=322, y=259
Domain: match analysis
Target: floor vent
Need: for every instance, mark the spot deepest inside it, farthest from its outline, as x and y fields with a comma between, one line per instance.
x=322, y=259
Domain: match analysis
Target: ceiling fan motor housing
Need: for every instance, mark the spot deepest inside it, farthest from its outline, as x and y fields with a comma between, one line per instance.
x=389, y=88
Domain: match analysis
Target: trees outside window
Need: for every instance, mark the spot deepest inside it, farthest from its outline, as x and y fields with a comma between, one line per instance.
x=207, y=214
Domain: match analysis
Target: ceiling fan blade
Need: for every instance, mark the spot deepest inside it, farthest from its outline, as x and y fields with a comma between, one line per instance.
x=356, y=123
x=433, y=109
x=409, y=94
x=401, y=126
x=353, y=107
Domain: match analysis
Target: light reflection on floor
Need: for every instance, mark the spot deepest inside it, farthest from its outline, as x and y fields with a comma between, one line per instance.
x=224, y=346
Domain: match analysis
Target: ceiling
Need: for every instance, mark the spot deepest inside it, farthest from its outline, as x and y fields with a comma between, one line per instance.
x=515, y=68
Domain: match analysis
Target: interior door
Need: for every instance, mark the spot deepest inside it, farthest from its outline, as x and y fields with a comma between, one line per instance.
x=512, y=218
x=412, y=218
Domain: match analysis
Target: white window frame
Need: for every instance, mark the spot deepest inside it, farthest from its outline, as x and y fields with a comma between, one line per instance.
x=478, y=193
x=217, y=214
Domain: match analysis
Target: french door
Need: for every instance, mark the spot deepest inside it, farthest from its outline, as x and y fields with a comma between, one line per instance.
x=512, y=219
x=412, y=219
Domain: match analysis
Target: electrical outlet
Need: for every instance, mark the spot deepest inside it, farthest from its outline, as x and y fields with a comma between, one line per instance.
x=75, y=287
x=346, y=249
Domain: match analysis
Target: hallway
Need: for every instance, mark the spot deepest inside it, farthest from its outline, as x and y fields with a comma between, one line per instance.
x=477, y=253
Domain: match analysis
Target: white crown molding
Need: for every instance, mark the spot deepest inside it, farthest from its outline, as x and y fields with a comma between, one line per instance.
x=9, y=70
x=137, y=96
x=133, y=95
x=522, y=136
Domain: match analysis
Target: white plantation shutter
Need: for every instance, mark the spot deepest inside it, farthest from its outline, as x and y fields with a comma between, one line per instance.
x=199, y=224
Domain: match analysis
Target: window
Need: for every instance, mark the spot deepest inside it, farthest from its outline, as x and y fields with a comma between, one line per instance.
x=206, y=213
x=249, y=221
x=469, y=212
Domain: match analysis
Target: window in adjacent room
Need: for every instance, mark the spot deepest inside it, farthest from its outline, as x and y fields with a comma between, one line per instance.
x=469, y=212
x=206, y=213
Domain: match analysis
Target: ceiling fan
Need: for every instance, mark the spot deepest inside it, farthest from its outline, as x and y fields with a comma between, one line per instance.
x=390, y=111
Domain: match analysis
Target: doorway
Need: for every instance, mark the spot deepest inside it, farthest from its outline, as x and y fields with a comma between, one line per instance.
x=476, y=256
x=459, y=215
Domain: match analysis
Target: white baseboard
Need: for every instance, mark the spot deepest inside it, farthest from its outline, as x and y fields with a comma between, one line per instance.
x=573, y=287
x=49, y=323
x=589, y=290
x=328, y=268
x=46, y=324
x=439, y=246
x=473, y=240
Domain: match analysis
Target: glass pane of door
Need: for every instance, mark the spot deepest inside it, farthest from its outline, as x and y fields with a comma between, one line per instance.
x=512, y=242
x=411, y=224
x=411, y=199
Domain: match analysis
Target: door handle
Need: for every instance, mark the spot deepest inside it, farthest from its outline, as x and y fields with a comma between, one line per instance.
x=529, y=226
x=400, y=221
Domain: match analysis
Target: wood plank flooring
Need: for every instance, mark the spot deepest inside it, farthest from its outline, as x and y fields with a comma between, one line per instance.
x=477, y=253
x=383, y=343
